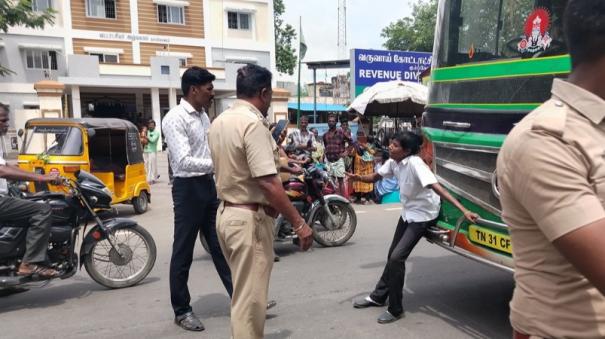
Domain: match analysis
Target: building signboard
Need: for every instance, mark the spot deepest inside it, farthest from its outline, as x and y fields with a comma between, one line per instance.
x=371, y=66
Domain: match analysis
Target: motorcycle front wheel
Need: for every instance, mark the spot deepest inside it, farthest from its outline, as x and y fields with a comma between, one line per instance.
x=330, y=235
x=125, y=265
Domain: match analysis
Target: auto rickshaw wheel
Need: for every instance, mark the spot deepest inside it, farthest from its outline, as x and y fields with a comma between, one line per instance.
x=140, y=203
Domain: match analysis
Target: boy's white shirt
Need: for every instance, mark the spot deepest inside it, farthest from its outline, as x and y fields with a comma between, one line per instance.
x=419, y=202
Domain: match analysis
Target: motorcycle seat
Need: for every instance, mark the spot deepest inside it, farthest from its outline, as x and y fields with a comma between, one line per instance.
x=45, y=195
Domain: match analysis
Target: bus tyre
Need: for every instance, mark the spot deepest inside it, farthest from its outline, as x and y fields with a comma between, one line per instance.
x=140, y=203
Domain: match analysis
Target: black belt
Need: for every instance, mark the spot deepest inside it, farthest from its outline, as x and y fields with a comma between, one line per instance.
x=203, y=176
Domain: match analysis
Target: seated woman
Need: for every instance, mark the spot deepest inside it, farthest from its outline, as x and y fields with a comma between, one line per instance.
x=383, y=186
x=287, y=166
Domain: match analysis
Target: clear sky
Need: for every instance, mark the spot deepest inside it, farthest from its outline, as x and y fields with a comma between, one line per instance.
x=365, y=21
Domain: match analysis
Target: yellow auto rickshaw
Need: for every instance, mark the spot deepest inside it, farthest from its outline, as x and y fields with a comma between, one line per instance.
x=110, y=149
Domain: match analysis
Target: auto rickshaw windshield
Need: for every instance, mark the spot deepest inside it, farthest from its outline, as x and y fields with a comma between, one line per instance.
x=53, y=140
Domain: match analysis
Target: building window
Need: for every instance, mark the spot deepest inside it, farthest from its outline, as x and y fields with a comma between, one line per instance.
x=41, y=5
x=238, y=20
x=183, y=62
x=107, y=58
x=165, y=70
x=40, y=59
x=171, y=15
x=101, y=8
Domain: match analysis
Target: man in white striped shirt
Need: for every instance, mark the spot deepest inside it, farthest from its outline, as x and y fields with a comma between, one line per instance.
x=185, y=128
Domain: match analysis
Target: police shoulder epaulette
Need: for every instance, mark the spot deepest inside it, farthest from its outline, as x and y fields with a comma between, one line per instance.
x=551, y=117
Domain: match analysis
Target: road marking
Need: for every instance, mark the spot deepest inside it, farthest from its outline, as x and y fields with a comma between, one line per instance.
x=361, y=212
x=393, y=209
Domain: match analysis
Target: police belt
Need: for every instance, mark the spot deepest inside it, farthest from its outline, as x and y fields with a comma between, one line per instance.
x=270, y=211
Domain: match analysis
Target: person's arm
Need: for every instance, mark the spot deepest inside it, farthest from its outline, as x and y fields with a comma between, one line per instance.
x=550, y=179
x=443, y=193
x=585, y=251
x=368, y=178
x=259, y=147
x=297, y=161
x=153, y=136
x=347, y=136
x=385, y=171
x=428, y=179
x=274, y=193
x=291, y=169
x=15, y=173
x=180, y=147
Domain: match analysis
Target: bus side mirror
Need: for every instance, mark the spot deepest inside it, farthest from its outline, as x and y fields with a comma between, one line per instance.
x=20, y=132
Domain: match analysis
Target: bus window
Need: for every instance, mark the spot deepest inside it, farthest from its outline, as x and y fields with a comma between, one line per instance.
x=478, y=29
x=483, y=30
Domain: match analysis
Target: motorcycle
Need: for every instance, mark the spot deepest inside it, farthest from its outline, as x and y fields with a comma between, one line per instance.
x=331, y=216
x=116, y=252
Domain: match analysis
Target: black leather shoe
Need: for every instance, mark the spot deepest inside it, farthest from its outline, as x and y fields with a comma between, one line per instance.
x=366, y=302
x=387, y=317
x=189, y=321
x=271, y=304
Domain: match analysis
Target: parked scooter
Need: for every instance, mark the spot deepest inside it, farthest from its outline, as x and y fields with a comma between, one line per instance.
x=116, y=252
x=331, y=216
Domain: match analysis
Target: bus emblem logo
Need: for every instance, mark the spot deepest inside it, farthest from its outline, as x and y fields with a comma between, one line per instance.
x=536, y=36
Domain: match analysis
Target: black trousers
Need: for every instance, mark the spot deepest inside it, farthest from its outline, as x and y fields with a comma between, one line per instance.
x=33, y=215
x=195, y=205
x=390, y=284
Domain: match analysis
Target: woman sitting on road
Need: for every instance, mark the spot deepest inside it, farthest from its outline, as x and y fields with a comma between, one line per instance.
x=419, y=192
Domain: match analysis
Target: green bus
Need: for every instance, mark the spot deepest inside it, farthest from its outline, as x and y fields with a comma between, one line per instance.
x=493, y=62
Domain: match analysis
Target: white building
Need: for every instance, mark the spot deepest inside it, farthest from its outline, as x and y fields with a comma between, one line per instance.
x=124, y=58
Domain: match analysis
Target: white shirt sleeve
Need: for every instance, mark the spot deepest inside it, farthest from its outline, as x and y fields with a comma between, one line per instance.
x=386, y=170
x=179, y=147
x=423, y=172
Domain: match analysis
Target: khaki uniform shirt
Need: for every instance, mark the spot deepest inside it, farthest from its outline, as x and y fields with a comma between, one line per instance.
x=242, y=149
x=551, y=172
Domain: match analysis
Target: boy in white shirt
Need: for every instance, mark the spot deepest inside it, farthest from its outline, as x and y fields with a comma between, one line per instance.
x=419, y=194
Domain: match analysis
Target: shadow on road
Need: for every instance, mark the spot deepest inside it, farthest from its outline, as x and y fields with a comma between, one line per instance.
x=213, y=305
x=373, y=265
x=50, y=296
x=282, y=334
x=464, y=296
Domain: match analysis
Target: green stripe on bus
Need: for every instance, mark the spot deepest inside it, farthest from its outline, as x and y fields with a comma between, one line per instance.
x=503, y=107
x=504, y=69
x=466, y=138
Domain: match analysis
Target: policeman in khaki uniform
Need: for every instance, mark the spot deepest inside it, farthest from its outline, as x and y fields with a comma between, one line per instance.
x=551, y=172
x=245, y=159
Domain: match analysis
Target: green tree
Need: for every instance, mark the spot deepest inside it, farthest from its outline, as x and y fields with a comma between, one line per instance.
x=415, y=33
x=14, y=13
x=285, y=54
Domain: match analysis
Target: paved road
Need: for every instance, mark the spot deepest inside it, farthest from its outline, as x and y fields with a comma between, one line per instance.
x=446, y=296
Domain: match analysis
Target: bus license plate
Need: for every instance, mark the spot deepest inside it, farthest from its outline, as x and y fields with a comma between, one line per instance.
x=490, y=239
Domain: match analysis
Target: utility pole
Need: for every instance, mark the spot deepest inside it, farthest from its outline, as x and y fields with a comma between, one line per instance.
x=342, y=29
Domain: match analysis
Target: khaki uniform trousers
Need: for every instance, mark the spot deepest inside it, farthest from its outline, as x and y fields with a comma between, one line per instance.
x=246, y=238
